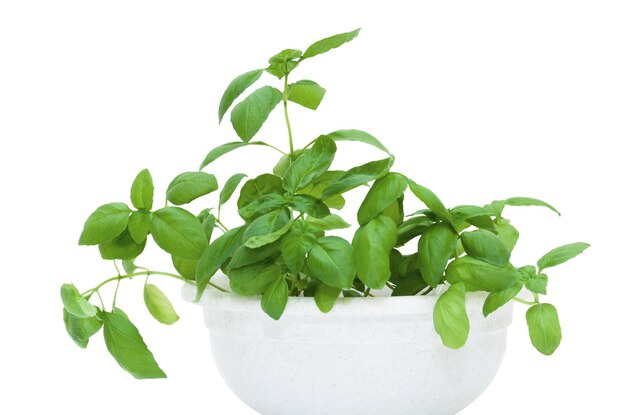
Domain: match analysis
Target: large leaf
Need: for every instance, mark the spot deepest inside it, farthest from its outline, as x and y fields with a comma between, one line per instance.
x=360, y=136
x=480, y=275
x=236, y=88
x=250, y=114
x=142, y=190
x=450, y=317
x=358, y=176
x=435, y=248
x=431, y=201
x=329, y=43
x=128, y=348
x=105, y=224
x=306, y=93
x=75, y=303
x=331, y=260
x=159, y=305
x=544, y=328
x=309, y=205
x=267, y=228
x=383, y=193
x=372, y=245
x=296, y=245
x=81, y=329
x=486, y=246
x=219, y=151
x=254, y=279
x=326, y=297
x=561, y=254
x=275, y=296
x=189, y=186
x=123, y=247
x=178, y=232
x=497, y=299
x=311, y=164
x=139, y=225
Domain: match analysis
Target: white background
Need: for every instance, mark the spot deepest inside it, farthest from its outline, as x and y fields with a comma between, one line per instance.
x=479, y=100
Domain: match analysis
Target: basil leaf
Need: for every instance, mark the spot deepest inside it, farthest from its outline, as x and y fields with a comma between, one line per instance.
x=431, y=201
x=236, y=88
x=331, y=260
x=450, y=317
x=189, y=186
x=274, y=299
x=296, y=245
x=544, y=328
x=219, y=151
x=105, y=224
x=497, y=299
x=230, y=186
x=358, y=176
x=360, y=136
x=306, y=93
x=329, y=43
x=280, y=69
x=209, y=222
x=318, y=187
x=244, y=256
x=261, y=206
x=486, y=246
x=506, y=233
x=185, y=267
x=75, y=303
x=254, y=279
x=250, y=114
x=309, y=205
x=328, y=223
x=139, y=226
x=128, y=348
x=326, y=297
x=285, y=56
x=561, y=254
x=267, y=228
x=142, y=190
x=529, y=201
x=372, y=246
x=481, y=276
x=81, y=329
x=412, y=228
x=123, y=247
x=178, y=232
x=383, y=193
x=310, y=165
x=409, y=286
x=129, y=266
x=537, y=283
x=262, y=185
x=159, y=305
x=435, y=248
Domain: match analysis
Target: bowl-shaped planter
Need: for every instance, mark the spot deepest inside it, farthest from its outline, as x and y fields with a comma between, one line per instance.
x=366, y=356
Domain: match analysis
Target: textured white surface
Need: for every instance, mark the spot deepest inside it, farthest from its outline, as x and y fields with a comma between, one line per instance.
x=373, y=356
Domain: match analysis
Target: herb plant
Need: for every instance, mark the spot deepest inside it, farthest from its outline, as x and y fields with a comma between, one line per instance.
x=282, y=247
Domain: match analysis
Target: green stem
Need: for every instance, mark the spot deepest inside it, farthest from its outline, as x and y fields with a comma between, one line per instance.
x=519, y=300
x=276, y=148
x=291, y=149
x=366, y=292
x=219, y=222
x=116, y=289
x=101, y=301
x=536, y=297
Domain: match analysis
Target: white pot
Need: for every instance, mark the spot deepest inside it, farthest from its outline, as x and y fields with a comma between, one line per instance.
x=367, y=356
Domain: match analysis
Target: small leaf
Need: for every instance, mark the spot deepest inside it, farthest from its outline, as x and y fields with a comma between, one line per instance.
x=497, y=299
x=296, y=245
x=263, y=229
x=75, y=303
x=189, y=186
x=328, y=223
x=262, y=185
x=383, y=193
x=142, y=190
x=309, y=205
x=123, y=247
x=561, y=254
x=139, y=226
x=409, y=286
x=274, y=299
x=178, y=232
x=358, y=176
x=306, y=93
x=230, y=186
x=326, y=297
x=310, y=165
x=537, y=283
x=360, y=136
x=431, y=201
x=81, y=329
x=285, y=56
x=261, y=206
x=159, y=305
x=320, y=184
x=331, y=260
x=544, y=328
x=129, y=266
x=523, y=201
x=219, y=151
x=486, y=246
x=435, y=248
x=236, y=88
x=450, y=317
x=254, y=279
x=478, y=275
x=105, y=224
x=372, y=245
x=250, y=114
x=329, y=43
x=506, y=233
x=128, y=348
x=412, y=228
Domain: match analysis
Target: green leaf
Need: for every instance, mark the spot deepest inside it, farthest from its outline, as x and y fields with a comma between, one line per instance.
x=537, y=283
x=123, y=247
x=507, y=233
x=81, y=329
x=285, y=56
x=358, y=176
x=230, y=186
x=250, y=114
x=435, y=248
x=280, y=69
x=274, y=299
x=318, y=187
x=486, y=246
x=326, y=297
x=412, y=228
x=75, y=303
x=497, y=299
x=209, y=221
x=142, y=190
x=178, y=232
x=431, y=201
x=481, y=276
x=561, y=254
x=329, y=43
x=128, y=348
x=372, y=245
x=306, y=93
x=310, y=165
x=105, y=224
x=159, y=305
x=254, y=279
x=360, y=136
x=215, y=256
x=185, y=267
x=139, y=226
x=544, y=328
x=296, y=245
x=236, y=88
x=409, y=286
x=129, y=266
x=328, y=223
x=395, y=211
x=309, y=205
x=383, y=193
x=267, y=228
x=262, y=185
x=529, y=201
x=261, y=206
x=331, y=260
x=219, y=151
x=244, y=256
x=450, y=317
x=189, y=186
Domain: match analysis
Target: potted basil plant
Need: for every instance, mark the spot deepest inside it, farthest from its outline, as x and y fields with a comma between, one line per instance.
x=303, y=321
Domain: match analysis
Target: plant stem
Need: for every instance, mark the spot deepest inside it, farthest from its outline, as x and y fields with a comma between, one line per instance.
x=116, y=289
x=536, y=296
x=291, y=150
x=219, y=222
x=366, y=292
x=519, y=300
x=276, y=148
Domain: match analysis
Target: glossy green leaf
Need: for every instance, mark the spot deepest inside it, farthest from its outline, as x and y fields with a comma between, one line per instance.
x=105, y=224
x=331, y=260
x=409, y=286
x=189, y=186
x=306, y=93
x=123, y=247
x=329, y=43
x=395, y=211
x=537, y=283
x=412, y=228
x=372, y=245
x=142, y=190
x=450, y=317
x=261, y=206
x=317, y=188
x=81, y=329
x=274, y=299
x=506, y=233
x=383, y=193
x=128, y=348
x=544, y=328
x=250, y=114
x=236, y=88
x=529, y=201
x=139, y=226
x=254, y=279
x=326, y=297
x=481, y=276
x=329, y=222
x=561, y=254
x=185, y=267
x=360, y=136
x=267, y=228
x=75, y=303
x=262, y=185
x=309, y=205
x=285, y=56
x=431, y=201
x=159, y=305
x=178, y=232
x=310, y=165
x=358, y=176
x=219, y=151
x=296, y=245
x=435, y=248
x=486, y=246
x=244, y=256
x=209, y=222
x=497, y=299
x=230, y=186
x=280, y=69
